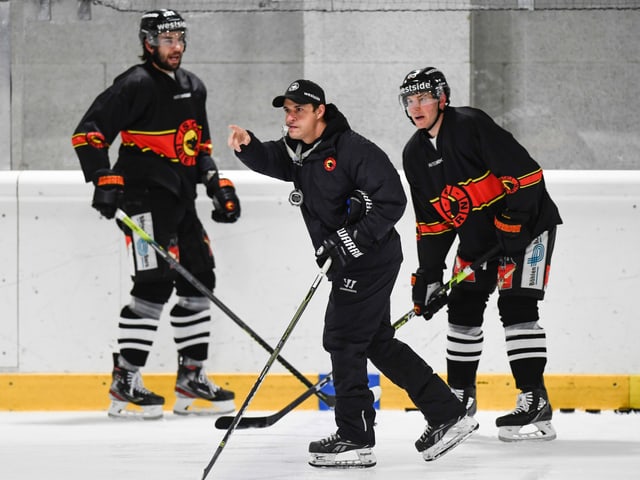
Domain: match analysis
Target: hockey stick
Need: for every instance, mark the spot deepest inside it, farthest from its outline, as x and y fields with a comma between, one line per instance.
x=129, y=222
x=265, y=370
x=223, y=422
x=455, y=280
x=268, y=420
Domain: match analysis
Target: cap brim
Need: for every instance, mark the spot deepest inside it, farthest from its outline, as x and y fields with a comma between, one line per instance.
x=299, y=99
x=278, y=101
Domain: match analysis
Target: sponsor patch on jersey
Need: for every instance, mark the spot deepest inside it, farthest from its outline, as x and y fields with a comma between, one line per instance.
x=506, y=270
x=534, y=267
x=330, y=164
x=145, y=257
x=460, y=265
x=435, y=163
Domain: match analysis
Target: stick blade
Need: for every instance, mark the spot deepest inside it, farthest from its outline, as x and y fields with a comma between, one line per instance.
x=223, y=423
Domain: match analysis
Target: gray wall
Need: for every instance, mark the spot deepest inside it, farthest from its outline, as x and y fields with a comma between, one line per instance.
x=564, y=82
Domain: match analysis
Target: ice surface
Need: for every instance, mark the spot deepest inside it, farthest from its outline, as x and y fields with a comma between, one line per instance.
x=90, y=446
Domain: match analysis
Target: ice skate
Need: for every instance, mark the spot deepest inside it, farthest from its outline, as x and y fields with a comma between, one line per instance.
x=531, y=419
x=129, y=397
x=197, y=395
x=440, y=439
x=337, y=452
x=467, y=397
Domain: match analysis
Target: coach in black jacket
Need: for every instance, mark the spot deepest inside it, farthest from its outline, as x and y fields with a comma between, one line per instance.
x=350, y=196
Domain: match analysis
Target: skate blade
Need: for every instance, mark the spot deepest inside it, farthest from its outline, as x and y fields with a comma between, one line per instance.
x=198, y=406
x=538, y=431
x=454, y=437
x=128, y=411
x=361, y=458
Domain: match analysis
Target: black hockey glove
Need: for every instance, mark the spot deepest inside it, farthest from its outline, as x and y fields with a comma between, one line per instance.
x=358, y=205
x=428, y=298
x=226, y=205
x=109, y=187
x=512, y=232
x=342, y=249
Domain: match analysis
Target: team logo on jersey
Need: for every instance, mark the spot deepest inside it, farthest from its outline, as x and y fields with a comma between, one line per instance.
x=511, y=184
x=96, y=140
x=187, y=141
x=330, y=164
x=455, y=204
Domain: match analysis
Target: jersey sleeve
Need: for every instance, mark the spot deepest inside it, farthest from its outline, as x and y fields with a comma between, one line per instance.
x=109, y=113
x=268, y=158
x=510, y=162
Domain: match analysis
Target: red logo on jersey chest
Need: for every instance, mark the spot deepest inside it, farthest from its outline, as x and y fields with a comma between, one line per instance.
x=187, y=142
x=330, y=164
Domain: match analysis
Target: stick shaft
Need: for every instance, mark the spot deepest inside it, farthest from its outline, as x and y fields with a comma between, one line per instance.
x=267, y=367
x=129, y=222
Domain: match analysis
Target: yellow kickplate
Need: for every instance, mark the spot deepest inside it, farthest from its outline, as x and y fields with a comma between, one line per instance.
x=77, y=391
x=582, y=392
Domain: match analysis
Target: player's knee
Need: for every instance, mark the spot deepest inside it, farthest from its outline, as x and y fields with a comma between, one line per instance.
x=466, y=308
x=154, y=292
x=516, y=310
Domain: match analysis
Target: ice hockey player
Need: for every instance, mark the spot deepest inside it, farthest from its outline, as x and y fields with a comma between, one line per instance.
x=470, y=179
x=158, y=108
x=328, y=162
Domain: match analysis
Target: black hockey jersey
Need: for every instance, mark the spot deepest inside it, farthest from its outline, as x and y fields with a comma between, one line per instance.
x=476, y=170
x=163, y=127
x=341, y=162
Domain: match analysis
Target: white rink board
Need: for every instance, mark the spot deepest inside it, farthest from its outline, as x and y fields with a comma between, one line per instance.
x=65, y=279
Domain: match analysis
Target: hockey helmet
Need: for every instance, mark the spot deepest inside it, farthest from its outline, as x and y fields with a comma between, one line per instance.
x=428, y=79
x=156, y=22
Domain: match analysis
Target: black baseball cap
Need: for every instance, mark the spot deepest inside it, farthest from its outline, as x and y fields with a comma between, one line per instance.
x=301, y=92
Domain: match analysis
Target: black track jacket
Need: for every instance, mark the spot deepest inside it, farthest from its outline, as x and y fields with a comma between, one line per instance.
x=477, y=170
x=163, y=126
x=340, y=163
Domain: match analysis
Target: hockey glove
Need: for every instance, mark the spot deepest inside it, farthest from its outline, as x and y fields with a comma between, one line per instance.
x=341, y=248
x=427, y=298
x=512, y=232
x=109, y=187
x=358, y=205
x=226, y=205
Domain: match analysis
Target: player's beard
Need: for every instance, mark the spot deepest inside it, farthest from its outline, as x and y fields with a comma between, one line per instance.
x=163, y=64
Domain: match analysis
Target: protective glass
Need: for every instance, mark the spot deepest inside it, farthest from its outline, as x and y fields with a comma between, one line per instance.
x=169, y=39
x=417, y=100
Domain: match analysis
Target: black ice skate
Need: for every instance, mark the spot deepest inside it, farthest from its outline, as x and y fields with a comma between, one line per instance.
x=531, y=419
x=197, y=395
x=467, y=397
x=337, y=452
x=129, y=397
x=440, y=439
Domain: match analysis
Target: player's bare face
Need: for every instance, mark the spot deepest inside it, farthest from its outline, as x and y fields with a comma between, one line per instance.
x=302, y=121
x=422, y=108
x=168, y=54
